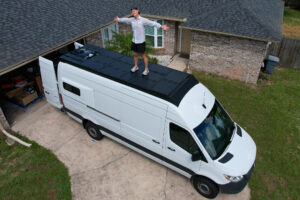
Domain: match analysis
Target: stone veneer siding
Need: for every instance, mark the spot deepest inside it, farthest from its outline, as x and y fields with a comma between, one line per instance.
x=95, y=39
x=233, y=57
x=124, y=28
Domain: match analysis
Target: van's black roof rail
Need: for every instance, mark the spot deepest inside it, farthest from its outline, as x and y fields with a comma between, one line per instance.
x=163, y=82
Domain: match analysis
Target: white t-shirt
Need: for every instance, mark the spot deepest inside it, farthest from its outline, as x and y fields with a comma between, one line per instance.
x=138, y=27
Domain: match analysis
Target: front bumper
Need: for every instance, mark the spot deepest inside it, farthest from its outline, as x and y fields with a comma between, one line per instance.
x=233, y=188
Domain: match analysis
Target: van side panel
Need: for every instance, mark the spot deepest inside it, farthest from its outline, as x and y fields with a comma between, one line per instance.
x=106, y=101
x=142, y=120
x=86, y=92
x=96, y=102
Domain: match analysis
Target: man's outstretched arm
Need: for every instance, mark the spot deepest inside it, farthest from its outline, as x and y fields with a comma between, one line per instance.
x=122, y=20
x=148, y=22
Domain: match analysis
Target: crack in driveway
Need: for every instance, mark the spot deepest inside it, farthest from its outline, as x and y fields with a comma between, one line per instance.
x=103, y=166
x=165, y=184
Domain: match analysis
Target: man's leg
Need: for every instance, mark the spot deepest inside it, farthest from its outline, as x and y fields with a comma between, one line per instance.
x=145, y=61
x=135, y=58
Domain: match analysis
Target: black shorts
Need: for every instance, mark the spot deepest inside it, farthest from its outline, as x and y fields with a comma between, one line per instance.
x=139, y=48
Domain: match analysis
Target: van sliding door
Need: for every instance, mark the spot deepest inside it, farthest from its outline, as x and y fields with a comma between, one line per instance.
x=49, y=82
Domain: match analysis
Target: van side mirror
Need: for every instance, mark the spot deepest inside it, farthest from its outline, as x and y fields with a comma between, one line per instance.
x=197, y=155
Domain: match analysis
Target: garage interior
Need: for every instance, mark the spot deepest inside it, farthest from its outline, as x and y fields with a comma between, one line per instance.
x=21, y=90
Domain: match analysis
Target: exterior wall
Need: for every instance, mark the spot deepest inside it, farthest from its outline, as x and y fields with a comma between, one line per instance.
x=3, y=121
x=95, y=39
x=124, y=28
x=169, y=40
x=233, y=57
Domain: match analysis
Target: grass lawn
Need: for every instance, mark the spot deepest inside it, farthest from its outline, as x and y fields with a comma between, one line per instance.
x=31, y=173
x=291, y=23
x=270, y=113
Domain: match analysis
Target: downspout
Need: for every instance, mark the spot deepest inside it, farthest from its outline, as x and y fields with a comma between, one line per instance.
x=11, y=137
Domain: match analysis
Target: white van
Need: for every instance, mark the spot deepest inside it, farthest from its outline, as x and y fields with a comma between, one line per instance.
x=167, y=116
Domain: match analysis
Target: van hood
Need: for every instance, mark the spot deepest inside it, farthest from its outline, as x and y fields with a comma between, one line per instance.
x=196, y=105
x=239, y=156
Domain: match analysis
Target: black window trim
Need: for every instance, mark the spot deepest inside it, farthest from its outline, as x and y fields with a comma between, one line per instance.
x=204, y=158
x=72, y=89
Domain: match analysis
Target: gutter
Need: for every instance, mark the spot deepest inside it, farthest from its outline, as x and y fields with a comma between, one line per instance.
x=164, y=17
x=227, y=34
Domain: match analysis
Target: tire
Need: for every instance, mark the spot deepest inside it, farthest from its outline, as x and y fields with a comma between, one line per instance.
x=93, y=131
x=205, y=187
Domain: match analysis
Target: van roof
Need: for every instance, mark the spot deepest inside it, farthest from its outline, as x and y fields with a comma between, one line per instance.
x=163, y=82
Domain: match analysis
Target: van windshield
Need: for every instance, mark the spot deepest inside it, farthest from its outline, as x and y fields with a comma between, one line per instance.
x=215, y=131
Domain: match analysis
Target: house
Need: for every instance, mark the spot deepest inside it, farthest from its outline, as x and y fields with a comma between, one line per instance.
x=226, y=37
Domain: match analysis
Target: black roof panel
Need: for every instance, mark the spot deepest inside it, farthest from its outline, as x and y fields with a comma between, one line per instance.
x=163, y=82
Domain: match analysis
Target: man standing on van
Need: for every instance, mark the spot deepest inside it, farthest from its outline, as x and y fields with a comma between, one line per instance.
x=138, y=44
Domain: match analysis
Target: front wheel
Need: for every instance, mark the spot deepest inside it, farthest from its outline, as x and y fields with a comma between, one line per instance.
x=205, y=187
x=93, y=131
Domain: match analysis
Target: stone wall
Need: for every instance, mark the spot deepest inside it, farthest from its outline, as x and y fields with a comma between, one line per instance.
x=95, y=39
x=169, y=40
x=233, y=57
x=124, y=28
x=3, y=121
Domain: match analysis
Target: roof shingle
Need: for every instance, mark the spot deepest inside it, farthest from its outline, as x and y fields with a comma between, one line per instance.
x=31, y=28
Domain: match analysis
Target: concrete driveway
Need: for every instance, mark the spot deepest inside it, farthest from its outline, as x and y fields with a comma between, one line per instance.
x=105, y=169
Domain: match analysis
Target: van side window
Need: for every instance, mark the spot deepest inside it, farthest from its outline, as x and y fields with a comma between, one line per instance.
x=182, y=138
x=71, y=88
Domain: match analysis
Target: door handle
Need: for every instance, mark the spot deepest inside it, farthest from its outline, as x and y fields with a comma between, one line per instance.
x=170, y=148
x=155, y=141
x=47, y=92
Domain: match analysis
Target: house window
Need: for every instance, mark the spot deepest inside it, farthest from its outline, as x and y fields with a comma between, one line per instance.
x=182, y=138
x=71, y=88
x=107, y=33
x=155, y=35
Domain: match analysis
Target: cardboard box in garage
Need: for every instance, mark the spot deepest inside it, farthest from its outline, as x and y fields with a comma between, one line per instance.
x=20, y=96
x=14, y=92
x=26, y=98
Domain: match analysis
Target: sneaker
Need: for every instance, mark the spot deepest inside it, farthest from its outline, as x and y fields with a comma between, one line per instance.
x=146, y=72
x=134, y=69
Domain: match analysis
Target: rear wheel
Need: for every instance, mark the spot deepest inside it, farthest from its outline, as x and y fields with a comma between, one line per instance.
x=205, y=187
x=93, y=131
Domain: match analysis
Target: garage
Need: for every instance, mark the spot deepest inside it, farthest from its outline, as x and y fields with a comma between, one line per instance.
x=21, y=90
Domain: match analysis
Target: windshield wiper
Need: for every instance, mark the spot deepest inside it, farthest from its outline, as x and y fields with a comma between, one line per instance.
x=232, y=131
x=227, y=143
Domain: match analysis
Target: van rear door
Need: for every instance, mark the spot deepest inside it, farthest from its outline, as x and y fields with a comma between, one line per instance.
x=49, y=82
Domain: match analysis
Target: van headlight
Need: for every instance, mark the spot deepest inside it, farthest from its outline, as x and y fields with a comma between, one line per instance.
x=233, y=178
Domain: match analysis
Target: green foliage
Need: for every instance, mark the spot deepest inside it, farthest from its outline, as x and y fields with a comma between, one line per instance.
x=269, y=112
x=31, y=173
x=291, y=16
x=121, y=43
